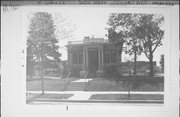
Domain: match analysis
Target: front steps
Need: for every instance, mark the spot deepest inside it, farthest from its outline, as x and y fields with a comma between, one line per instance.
x=75, y=86
x=79, y=85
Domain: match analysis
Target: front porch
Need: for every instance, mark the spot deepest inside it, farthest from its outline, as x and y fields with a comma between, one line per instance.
x=91, y=56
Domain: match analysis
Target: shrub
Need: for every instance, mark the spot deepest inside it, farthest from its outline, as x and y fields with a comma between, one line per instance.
x=110, y=71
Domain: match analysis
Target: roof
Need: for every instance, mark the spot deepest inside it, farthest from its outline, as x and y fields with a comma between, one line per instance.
x=87, y=40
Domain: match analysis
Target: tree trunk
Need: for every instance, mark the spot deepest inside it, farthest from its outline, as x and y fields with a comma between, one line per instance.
x=31, y=73
x=151, y=65
x=42, y=70
x=42, y=79
x=120, y=53
x=31, y=69
x=135, y=59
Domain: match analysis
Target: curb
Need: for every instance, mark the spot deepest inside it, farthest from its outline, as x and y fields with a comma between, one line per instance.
x=99, y=101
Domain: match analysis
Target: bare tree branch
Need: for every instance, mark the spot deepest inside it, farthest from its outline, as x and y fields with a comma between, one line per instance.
x=158, y=42
x=147, y=55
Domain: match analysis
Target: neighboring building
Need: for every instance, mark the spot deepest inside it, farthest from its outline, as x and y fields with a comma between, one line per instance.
x=98, y=57
x=142, y=68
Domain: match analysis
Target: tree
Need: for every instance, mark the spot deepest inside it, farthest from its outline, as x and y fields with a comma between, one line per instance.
x=117, y=29
x=162, y=63
x=42, y=44
x=132, y=42
x=116, y=38
x=133, y=47
x=141, y=32
x=30, y=59
x=122, y=31
x=150, y=32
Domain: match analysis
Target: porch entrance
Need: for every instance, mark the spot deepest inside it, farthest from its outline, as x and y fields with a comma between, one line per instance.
x=93, y=60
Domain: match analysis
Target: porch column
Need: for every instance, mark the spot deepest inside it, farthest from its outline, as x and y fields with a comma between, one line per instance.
x=99, y=56
x=83, y=71
x=70, y=57
x=86, y=57
x=99, y=71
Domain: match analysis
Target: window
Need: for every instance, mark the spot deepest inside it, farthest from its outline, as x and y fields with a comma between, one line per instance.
x=77, y=57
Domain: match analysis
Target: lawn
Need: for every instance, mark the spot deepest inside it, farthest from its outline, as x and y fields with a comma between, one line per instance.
x=100, y=84
x=125, y=97
x=49, y=85
x=47, y=96
x=55, y=96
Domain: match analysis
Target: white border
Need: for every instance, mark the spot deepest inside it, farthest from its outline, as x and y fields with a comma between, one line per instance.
x=128, y=110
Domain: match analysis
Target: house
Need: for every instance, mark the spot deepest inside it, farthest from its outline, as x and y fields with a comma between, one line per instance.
x=92, y=55
x=98, y=58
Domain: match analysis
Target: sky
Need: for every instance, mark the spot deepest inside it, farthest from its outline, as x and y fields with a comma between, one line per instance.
x=86, y=23
x=91, y=22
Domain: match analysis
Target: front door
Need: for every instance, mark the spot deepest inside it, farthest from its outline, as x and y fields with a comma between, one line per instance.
x=93, y=61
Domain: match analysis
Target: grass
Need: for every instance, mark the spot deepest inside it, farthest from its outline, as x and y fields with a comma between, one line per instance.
x=48, y=96
x=105, y=85
x=55, y=96
x=49, y=85
x=101, y=84
x=125, y=97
